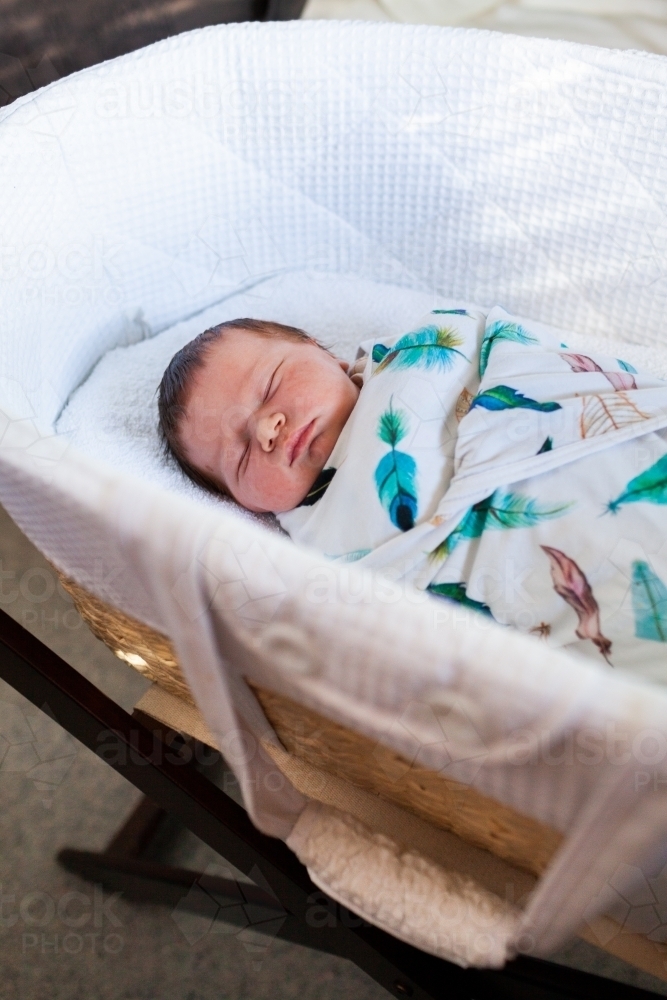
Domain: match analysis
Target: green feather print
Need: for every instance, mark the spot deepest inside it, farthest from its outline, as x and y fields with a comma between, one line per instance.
x=503, y=397
x=392, y=425
x=457, y=592
x=502, y=331
x=499, y=511
x=396, y=472
x=650, y=486
x=430, y=347
x=348, y=557
x=649, y=603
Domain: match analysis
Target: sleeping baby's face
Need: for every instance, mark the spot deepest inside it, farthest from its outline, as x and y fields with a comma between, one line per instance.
x=262, y=417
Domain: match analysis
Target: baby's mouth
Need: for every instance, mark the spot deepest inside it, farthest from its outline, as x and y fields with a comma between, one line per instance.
x=299, y=441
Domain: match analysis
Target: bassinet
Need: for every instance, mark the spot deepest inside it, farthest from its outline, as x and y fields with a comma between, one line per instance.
x=472, y=165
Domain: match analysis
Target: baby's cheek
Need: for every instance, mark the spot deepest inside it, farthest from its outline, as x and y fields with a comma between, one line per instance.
x=278, y=490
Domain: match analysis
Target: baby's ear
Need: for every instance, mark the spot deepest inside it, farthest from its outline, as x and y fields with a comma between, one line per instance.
x=356, y=372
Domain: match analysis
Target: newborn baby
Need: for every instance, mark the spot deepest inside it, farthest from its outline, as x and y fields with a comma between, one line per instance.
x=253, y=409
x=482, y=460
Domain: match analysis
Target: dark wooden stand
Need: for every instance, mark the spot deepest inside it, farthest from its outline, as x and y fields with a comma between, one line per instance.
x=283, y=903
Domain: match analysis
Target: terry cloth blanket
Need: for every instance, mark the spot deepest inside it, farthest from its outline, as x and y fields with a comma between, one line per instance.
x=492, y=465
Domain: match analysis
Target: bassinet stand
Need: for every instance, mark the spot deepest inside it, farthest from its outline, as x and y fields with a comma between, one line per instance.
x=290, y=906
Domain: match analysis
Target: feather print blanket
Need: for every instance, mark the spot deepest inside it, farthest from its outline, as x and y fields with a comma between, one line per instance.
x=490, y=465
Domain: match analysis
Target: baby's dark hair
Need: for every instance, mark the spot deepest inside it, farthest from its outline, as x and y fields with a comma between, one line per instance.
x=177, y=379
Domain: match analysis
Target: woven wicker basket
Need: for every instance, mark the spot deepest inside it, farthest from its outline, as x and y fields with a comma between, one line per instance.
x=148, y=651
x=337, y=750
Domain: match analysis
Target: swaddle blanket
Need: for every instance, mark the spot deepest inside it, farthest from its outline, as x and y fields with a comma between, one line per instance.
x=490, y=464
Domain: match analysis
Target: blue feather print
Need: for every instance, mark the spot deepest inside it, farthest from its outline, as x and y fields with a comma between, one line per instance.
x=626, y=366
x=498, y=511
x=649, y=603
x=396, y=472
x=503, y=397
x=502, y=331
x=430, y=347
x=379, y=351
x=451, y=312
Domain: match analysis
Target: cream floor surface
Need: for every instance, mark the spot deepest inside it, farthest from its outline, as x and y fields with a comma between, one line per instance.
x=617, y=24
x=56, y=793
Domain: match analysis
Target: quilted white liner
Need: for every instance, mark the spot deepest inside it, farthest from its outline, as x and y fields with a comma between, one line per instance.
x=467, y=164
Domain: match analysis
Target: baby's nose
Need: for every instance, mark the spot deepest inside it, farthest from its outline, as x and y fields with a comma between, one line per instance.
x=268, y=429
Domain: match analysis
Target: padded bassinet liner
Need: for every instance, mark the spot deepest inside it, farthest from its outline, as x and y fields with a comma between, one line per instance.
x=478, y=167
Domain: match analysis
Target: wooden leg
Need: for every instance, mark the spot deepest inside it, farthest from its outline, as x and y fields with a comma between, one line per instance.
x=121, y=867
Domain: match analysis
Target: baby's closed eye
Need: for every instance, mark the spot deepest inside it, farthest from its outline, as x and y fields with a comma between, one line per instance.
x=270, y=384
